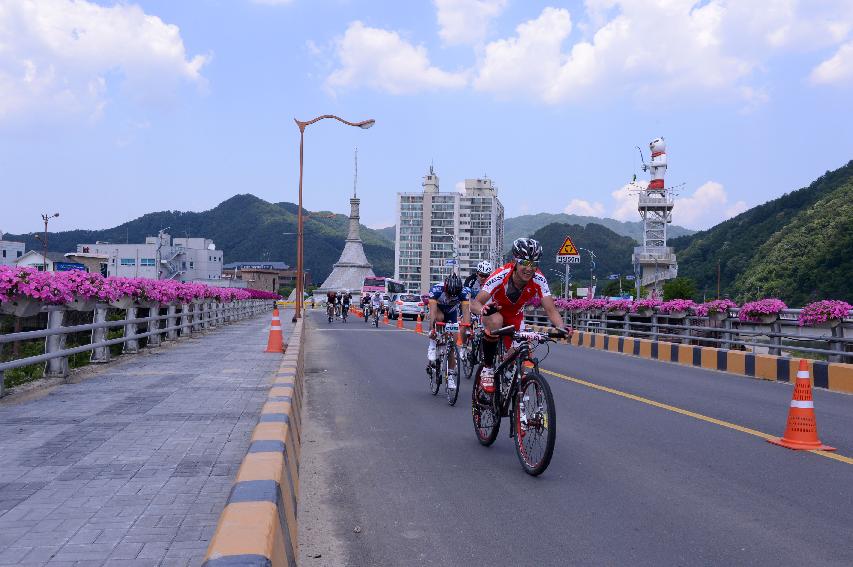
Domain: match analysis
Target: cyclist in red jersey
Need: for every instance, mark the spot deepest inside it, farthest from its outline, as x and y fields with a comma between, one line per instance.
x=503, y=296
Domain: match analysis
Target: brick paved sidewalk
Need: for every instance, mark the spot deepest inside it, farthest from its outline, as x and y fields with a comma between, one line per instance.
x=133, y=466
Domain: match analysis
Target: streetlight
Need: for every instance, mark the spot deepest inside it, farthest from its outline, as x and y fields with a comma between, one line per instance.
x=365, y=124
x=591, y=268
x=565, y=278
x=46, y=218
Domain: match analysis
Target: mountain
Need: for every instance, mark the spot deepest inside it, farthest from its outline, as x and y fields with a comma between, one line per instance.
x=525, y=225
x=389, y=233
x=612, y=251
x=797, y=247
x=245, y=228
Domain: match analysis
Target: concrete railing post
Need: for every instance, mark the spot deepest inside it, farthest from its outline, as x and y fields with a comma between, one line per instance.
x=154, y=326
x=171, y=321
x=776, y=349
x=687, y=332
x=186, y=326
x=131, y=344
x=99, y=315
x=655, y=328
x=835, y=345
x=727, y=334
x=55, y=367
x=214, y=314
x=626, y=325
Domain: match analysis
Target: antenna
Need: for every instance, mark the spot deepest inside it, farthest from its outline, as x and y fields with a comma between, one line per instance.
x=355, y=177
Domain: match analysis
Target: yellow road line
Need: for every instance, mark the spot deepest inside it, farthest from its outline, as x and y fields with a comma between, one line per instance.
x=688, y=413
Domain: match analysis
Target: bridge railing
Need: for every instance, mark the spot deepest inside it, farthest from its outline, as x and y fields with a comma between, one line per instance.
x=833, y=342
x=164, y=323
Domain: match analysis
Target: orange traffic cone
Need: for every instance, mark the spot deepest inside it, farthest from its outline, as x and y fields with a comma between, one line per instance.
x=419, y=328
x=459, y=338
x=400, y=320
x=801, y=430
x=275, y=341
x=385, y=317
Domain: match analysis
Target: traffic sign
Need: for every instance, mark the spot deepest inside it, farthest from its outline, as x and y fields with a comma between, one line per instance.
x=568, y=253
x=451, y=262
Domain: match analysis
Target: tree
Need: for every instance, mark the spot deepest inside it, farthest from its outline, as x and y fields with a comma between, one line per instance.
x=679, y=288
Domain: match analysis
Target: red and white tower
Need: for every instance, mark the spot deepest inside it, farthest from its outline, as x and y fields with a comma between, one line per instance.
x=654, y=262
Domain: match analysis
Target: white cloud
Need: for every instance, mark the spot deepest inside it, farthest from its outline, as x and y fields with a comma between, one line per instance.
x=466, y=22
x=626, y=200
x=382, y=60
x=60, y=57
x=736, y=209
x=837, y=69
x=654, y=47
x=585, y=208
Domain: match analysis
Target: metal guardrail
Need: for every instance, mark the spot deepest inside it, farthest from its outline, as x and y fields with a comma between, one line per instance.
x=181, y=321
x=728, y=333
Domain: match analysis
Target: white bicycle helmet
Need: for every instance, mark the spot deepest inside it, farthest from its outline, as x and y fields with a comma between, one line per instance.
x=485, y=268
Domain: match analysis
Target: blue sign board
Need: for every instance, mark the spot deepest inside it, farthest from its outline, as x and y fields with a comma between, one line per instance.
x=68, y=266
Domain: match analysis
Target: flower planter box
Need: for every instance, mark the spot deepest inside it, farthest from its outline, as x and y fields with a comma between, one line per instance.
x=768, y=319
x=829, y=324
x=128, y=302
x=80, y=303
x=21, y=307
x=676, y=314
x=718, y=316
x=617, y=313
x=644, y=312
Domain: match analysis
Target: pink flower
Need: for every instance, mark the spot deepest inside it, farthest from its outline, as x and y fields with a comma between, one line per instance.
x=715, y=306
x=754, y=310
x=823, y=311
x=674, y=305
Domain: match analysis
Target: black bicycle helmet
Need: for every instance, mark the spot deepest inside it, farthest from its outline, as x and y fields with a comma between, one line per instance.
x=452, y=285
x=526, y=249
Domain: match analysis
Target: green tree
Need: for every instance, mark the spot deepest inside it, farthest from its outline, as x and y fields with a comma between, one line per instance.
x=679, y=288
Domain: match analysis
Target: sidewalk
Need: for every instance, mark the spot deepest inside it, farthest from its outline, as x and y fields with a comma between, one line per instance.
x=133, y=465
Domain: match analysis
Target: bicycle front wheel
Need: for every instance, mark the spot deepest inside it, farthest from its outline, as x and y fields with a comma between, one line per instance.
x=535, y=423
x=487, y=419
x=451, y=393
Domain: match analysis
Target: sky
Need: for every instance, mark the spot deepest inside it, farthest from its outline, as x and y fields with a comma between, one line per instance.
x=110, y=110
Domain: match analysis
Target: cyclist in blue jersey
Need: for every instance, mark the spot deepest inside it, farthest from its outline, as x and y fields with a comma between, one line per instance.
x=445, y=303
x=475, y=281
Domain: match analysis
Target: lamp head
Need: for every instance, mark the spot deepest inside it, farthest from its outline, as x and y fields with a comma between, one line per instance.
x=367, y=124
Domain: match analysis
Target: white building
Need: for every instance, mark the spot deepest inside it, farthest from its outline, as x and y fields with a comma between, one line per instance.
x=36, y=259
x=163, y=257
x=436, y=231
x=10, y=251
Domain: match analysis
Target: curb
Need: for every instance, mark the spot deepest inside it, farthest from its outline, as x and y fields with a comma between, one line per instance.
x=258, y=526
x=834, y=376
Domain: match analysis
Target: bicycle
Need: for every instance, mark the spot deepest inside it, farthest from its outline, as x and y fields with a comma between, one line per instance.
x=344, y=312
x=366, y=311
x=376, y=317
x=472, y=351
x=330, y=312
x=438, y=371
x=522, y=394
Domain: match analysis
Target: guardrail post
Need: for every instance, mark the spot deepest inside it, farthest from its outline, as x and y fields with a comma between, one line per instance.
x=776, y=342
x=154, y=327
x=55, y=367
x=727, y=334
x=687, y=332
x=626, y=325
x=196, y=324
x=131, y=343
x=99, y=316
x=213, y=314
x=836, y=345
x=186, y=327
x=171, y=321
x=655, y=327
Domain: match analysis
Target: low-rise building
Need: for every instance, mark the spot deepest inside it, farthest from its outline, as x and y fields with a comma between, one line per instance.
x=10, y=251
x=266, y=275
x=160, y=257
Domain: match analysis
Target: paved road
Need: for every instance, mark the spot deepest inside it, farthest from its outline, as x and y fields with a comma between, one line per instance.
x=392, y=475
x=133, y=465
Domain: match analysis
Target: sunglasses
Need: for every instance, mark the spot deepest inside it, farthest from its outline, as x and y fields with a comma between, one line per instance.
x=527, y=263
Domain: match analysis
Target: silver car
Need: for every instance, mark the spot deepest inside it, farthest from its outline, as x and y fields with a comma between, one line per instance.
x=409, y=304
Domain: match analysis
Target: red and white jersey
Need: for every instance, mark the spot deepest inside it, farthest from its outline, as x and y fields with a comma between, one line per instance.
x=497, y=283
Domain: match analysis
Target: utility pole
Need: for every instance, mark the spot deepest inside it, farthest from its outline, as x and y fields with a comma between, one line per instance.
x=718, y=278
x=46, y=218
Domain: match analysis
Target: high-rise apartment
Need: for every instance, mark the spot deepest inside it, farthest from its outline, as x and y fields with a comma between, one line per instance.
x=437, y=232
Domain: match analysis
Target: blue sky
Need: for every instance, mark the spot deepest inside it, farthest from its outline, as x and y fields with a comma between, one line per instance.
x=111, y=110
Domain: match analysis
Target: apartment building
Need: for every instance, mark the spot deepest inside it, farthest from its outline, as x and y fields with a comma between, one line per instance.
x=439, y=232
x=10, y=251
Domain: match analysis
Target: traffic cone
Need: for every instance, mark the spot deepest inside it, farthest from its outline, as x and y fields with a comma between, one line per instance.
x=419, y=328
x=275, y=341
x=385, y=317
x=459, y=338
x=400, y=320
x=801, y=430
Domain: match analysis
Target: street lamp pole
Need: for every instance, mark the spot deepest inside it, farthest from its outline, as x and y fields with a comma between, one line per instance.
x=591, y=268
x=46, y=218
x=364, y=124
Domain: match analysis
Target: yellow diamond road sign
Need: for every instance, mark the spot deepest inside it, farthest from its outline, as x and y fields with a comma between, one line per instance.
x=568, y=253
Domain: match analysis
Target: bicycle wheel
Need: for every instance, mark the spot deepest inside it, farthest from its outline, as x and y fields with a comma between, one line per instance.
x=535, y=423
x=471, y=358
x=434, y=372
x=451, y=393
x=487, y=421
x=462, y=361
